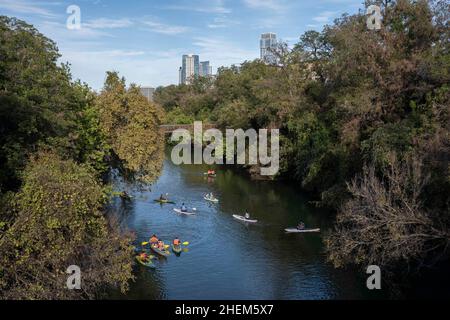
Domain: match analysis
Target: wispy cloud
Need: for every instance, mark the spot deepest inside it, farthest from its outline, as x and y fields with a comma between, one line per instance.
x=325, y=16
x=222, y=22
x=223, y=52
x=322, y=19
x=105, y=23
x=26, y=7
x=162, y=28
x=208, y=6
x=58, y=31
x=265, y=4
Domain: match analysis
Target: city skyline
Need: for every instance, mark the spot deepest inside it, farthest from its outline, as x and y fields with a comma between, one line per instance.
x=144, y=41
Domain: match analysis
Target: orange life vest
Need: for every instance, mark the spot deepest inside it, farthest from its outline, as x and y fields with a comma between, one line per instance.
x=153, y=239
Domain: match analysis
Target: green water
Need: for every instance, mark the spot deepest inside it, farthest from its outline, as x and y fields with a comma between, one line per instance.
x=229, y=259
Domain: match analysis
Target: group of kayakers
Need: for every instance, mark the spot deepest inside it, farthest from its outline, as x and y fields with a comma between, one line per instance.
x=155, y=242
x=300, y=226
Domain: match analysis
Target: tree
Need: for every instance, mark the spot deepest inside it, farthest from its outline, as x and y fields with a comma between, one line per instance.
x=58, y=222
x=386, y=223
x=39, y=103
x=131, y=125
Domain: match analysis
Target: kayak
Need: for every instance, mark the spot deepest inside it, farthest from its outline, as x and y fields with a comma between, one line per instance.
x=164, y=201
x=125, y=196
x=212, y=200
x=185, y=213
x=148, y=264
x=242, y=218
x=295, y=230
x=176, y=249
x=163, y=253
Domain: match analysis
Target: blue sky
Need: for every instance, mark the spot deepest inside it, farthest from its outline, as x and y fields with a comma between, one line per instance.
x=144, y=39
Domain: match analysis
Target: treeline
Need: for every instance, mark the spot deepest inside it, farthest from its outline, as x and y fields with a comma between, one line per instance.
x=58, y=142
x=364, y=121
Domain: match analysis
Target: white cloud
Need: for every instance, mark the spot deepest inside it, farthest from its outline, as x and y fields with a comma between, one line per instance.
x=165, y=28
x=105, y=23
x=143, y=68
x=265, y=4
x=222, y=52
x=117, y=53
x=222, y=22
x=325, y=17
x=205, y=6
x=26, y=7
x=59, y=32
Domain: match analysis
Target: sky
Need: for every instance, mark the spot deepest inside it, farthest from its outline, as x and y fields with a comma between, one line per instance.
x=144, y=39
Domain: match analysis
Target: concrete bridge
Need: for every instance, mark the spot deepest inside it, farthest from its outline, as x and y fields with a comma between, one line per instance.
x=169, y=128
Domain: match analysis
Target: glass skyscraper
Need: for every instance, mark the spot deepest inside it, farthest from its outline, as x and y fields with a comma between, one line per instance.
x=190, y=68
x=268, y=43
x=205, y=69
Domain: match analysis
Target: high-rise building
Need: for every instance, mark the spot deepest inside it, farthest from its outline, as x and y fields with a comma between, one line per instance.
x=268, y=43
x=190, y=68
x=148, y=92
x=205, y=69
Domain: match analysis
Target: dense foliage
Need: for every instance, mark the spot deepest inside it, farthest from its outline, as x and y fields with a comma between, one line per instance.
x=345, y=99
x=58, y=139
x=131, y=124
x=55, y=222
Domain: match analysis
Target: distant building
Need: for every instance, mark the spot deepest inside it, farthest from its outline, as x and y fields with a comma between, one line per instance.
x=180, y=75
x=148, y=93
x=268, y=43
x=190, y=68
x=205, y=69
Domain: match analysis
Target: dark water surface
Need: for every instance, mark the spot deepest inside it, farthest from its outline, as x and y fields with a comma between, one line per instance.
x=226, y=258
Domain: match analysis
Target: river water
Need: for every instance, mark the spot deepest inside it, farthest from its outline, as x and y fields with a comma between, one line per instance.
x=226, y=258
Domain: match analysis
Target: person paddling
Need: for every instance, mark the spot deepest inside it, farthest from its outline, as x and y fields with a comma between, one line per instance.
x=153, y=240
x=301, y=226
x=183, y=208
x=144, y=256
x=162, y=198
x=176, y=242
x=247, y=215
x=160, y=245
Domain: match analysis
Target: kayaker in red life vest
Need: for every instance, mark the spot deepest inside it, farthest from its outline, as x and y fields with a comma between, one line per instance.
x=211, y=172
x=176, y=242
x=160, y=245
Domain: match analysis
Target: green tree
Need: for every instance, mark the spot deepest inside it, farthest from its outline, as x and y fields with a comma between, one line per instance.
x=131, y=125
x=58, y=222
